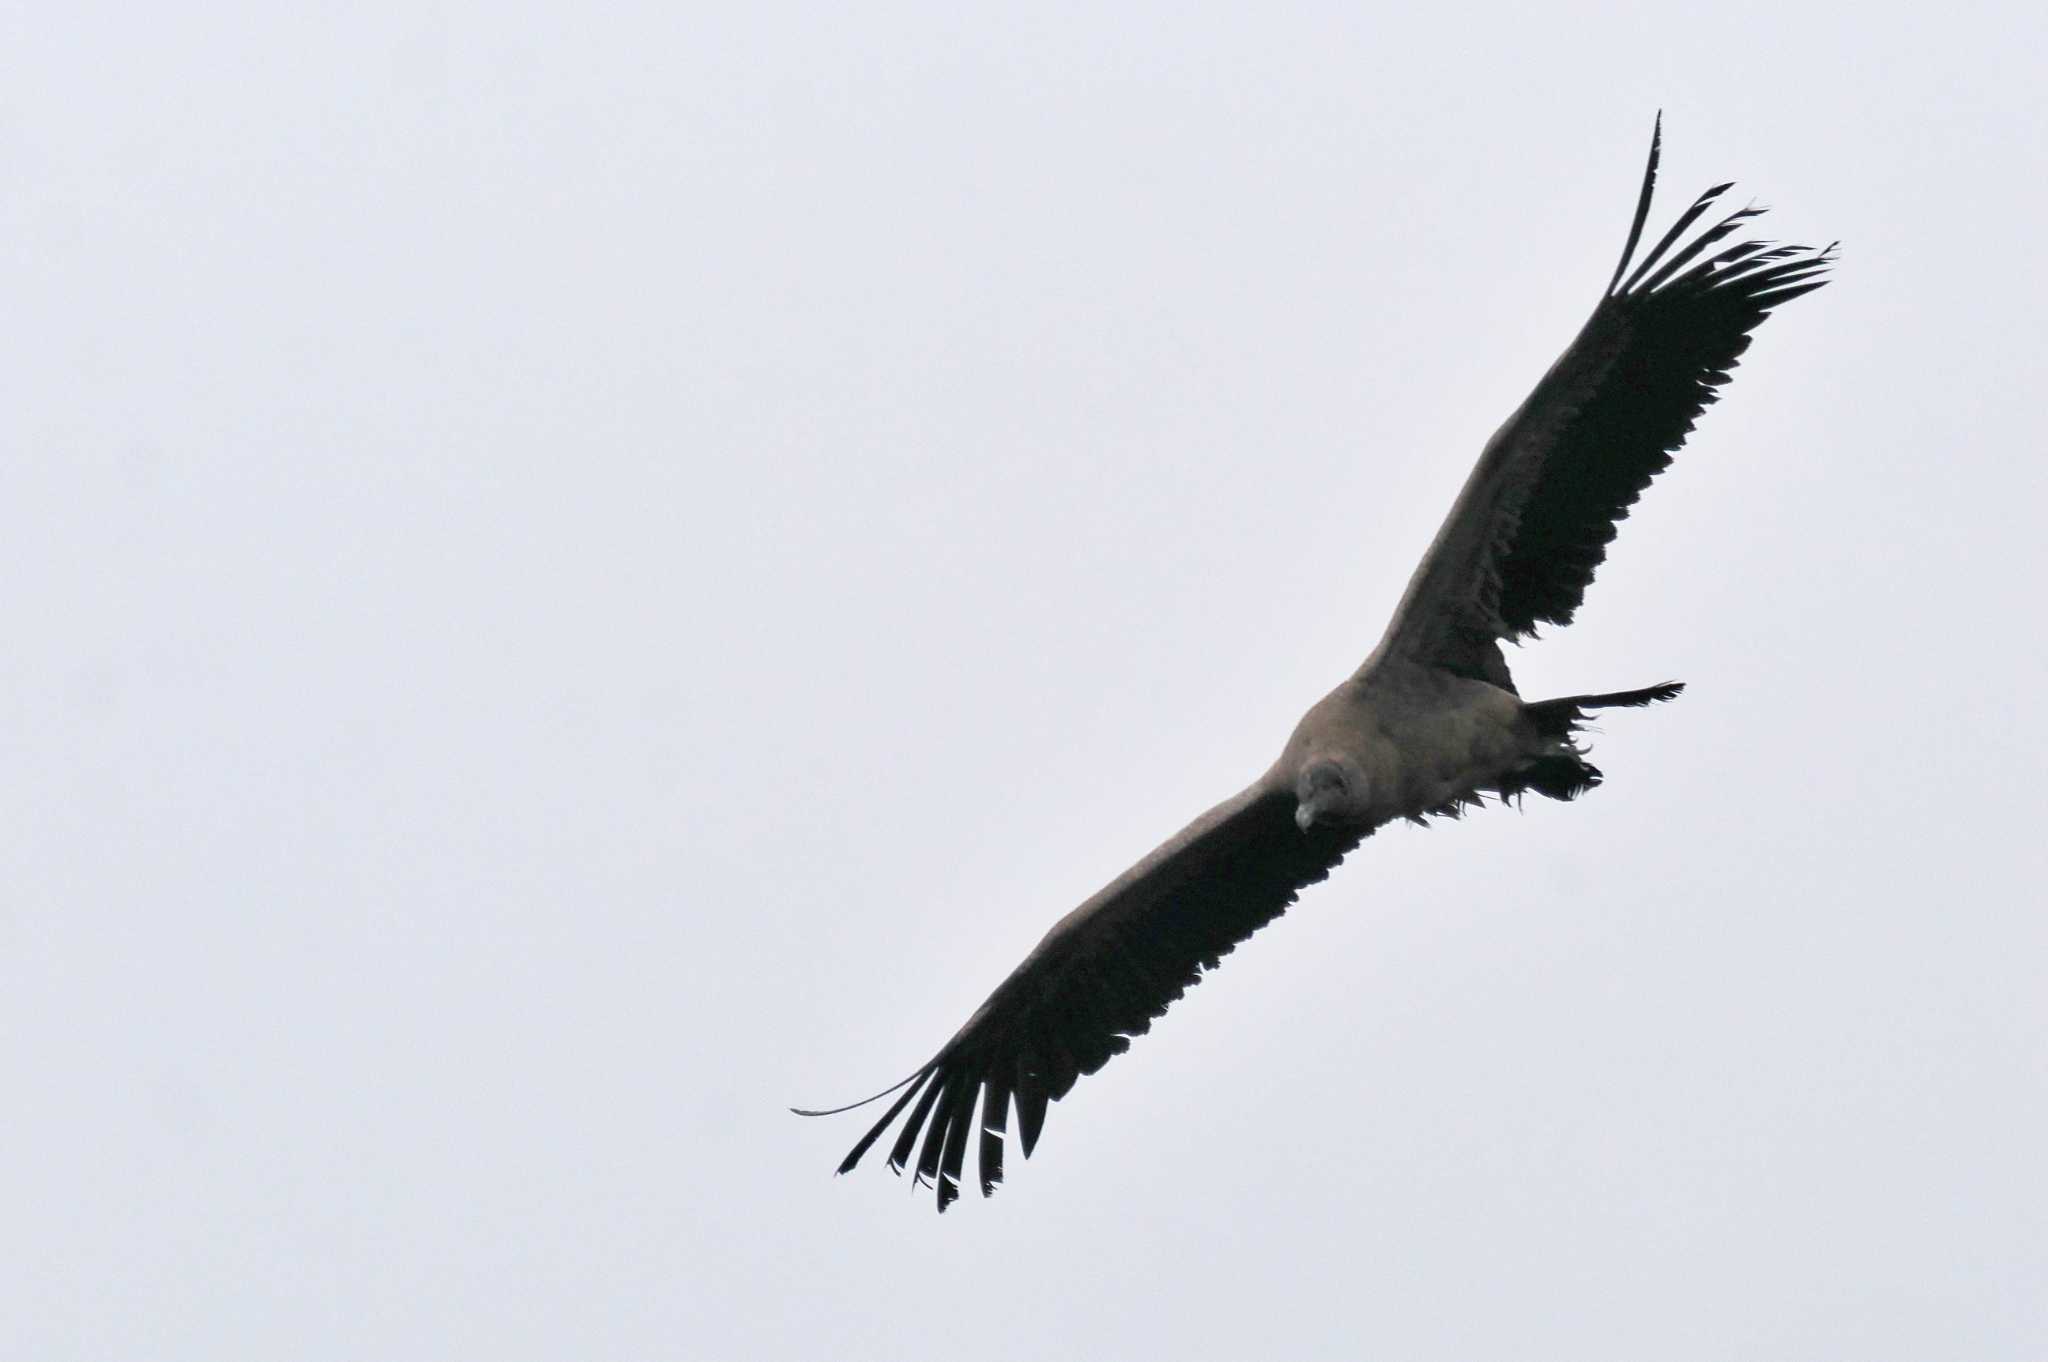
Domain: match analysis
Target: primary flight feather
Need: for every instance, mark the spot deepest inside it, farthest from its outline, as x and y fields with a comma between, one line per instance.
x=1430, y=724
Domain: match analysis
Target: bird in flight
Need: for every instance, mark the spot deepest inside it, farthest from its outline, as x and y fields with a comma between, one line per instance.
x=1431, y=724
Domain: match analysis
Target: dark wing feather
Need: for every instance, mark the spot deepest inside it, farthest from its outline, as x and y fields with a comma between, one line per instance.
x=1534, y=520
x=1100, y=977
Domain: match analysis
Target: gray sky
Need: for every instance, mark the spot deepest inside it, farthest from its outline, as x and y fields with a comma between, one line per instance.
x=572, y=578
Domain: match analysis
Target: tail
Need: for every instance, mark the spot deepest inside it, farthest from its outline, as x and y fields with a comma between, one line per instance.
x=1559, y=718
x=1567, y=774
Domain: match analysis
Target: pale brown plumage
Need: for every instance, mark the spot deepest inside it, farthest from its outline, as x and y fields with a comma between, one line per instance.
x=1430, y=724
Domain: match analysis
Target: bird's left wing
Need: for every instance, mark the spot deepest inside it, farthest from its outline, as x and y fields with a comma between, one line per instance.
x=1536, y=515
x=1101, y=976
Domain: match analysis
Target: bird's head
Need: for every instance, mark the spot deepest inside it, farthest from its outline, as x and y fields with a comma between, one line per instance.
x=1328, y=790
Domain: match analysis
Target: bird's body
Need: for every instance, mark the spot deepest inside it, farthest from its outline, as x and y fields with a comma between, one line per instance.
x=1420, y=739
x=1431, y=724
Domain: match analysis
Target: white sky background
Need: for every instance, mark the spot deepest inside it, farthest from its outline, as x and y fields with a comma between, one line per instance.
x=573, y=579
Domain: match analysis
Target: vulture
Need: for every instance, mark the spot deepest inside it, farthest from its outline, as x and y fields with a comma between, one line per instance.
x=1431, y=724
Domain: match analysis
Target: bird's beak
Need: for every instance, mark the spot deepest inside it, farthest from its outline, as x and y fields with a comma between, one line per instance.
x=1304, y=815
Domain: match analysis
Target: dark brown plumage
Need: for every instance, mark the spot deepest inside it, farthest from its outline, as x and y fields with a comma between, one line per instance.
x=1429, y=725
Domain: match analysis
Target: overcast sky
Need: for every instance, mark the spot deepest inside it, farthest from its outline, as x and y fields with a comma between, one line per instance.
x=572, y=578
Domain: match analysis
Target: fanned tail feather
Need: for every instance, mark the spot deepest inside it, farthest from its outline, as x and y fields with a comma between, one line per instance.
x=1567, y=774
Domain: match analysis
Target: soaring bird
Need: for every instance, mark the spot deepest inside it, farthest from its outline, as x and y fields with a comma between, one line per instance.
x=1431, y=724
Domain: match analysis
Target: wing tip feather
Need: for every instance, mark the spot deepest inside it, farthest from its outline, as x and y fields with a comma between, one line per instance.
x=1649, y=189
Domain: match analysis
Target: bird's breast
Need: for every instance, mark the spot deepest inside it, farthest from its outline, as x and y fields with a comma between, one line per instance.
x=1421, y=737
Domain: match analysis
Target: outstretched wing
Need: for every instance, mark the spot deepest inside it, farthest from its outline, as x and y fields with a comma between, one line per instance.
x=1100, y=977
x=1534, y=520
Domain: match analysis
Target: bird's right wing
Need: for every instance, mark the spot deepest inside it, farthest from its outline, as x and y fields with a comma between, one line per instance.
x=1101, y=976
